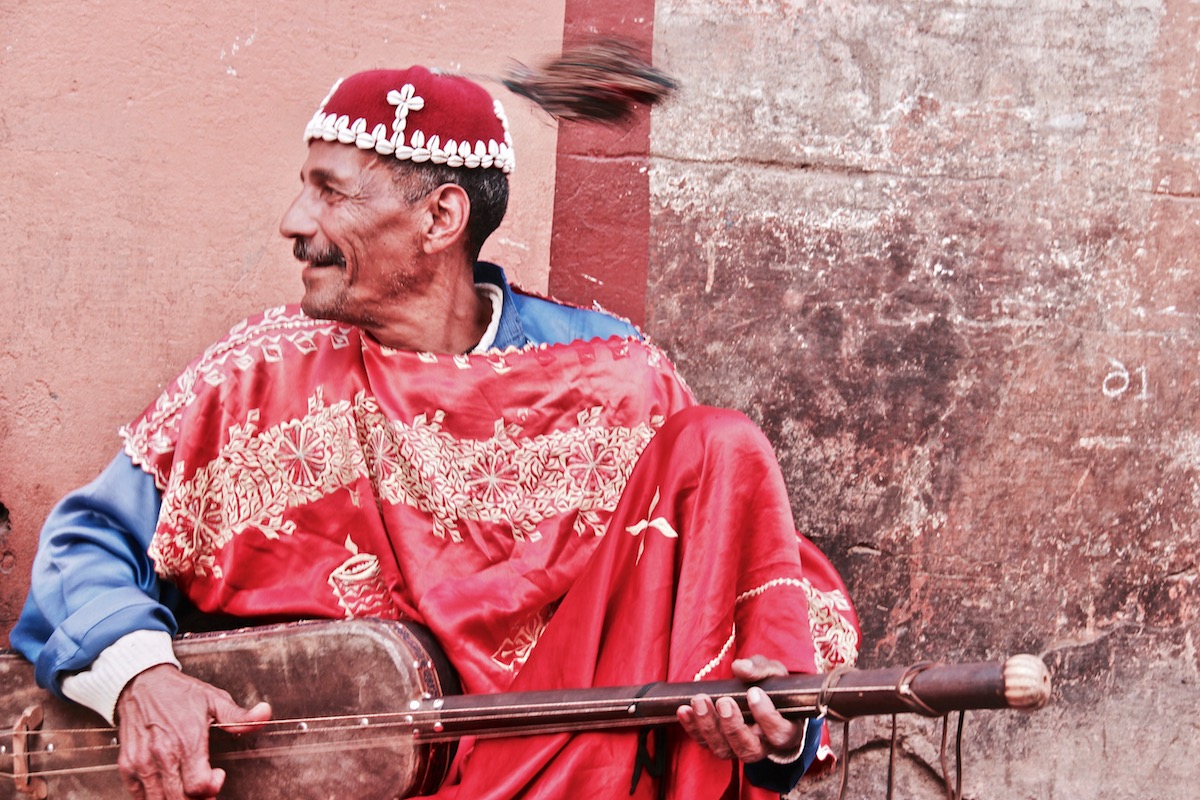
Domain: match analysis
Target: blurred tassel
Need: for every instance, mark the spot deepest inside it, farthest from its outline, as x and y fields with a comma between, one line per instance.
x=601, y=80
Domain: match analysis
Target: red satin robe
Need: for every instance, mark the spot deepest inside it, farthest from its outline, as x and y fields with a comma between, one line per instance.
x=571, y=497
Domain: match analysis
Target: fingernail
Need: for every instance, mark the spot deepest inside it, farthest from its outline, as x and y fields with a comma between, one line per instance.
x=755, y=695
x=723, y=708
x=699, y=708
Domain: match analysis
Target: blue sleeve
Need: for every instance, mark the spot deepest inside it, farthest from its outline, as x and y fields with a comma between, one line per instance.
x=93, y=581
x=783, y=778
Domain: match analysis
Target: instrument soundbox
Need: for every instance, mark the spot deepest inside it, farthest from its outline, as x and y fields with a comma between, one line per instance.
x=369, y=709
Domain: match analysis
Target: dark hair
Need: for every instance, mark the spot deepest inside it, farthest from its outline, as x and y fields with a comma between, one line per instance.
x=486, y=188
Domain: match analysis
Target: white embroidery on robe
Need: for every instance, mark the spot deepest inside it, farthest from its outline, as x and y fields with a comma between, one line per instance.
x=659, y=524
x=513, y=651
x=509, y=479
x=834, y=638
x=718, y=658
x=359, y=587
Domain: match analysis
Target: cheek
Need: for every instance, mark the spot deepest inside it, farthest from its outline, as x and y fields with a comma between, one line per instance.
x=337, y=234
x=357, y=251
x=350, y=231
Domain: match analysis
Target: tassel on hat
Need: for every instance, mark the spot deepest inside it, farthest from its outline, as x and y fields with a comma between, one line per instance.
x=601, y=80
x=420, y=115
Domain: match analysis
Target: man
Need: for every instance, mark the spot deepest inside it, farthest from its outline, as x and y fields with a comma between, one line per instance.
x=529, y=480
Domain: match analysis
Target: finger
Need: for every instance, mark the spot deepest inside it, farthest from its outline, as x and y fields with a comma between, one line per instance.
x=709, y=732
x=692, y=724
x=756, y=668
x=172, y=786
x=198, y=779
x=152, y=790
x=687, y=720
x=742, y=740
x=136, y=767
x=779, y=732
x=133, y=786
x=165, y=780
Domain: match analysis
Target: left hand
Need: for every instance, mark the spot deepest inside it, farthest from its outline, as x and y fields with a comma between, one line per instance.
x=720, y=728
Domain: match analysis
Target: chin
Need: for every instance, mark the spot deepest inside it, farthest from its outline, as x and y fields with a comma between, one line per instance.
x=317, y=310
x=335, y=309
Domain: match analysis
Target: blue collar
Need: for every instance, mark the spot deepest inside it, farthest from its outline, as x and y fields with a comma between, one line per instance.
x=510, y=332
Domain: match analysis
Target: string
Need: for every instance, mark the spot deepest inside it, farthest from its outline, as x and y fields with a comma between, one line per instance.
x=377, y=723
x=458, y=717
x=905, y=691
x=945, y=766
x=829, y=688
x=891, y=773
x=223, y=757
x=955, y=792
x=413, y=721
x=962, y=715
x=845, y=758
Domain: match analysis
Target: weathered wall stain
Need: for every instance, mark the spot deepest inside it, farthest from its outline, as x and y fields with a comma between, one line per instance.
x=10, y=604
x=943, y=254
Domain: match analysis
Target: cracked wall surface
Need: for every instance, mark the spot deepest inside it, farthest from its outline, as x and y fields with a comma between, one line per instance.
x=941, y=251
x=943, y=254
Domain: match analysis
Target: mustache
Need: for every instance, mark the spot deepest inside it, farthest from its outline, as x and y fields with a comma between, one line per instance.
x=329, y=256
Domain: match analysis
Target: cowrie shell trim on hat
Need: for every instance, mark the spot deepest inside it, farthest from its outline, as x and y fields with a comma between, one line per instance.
x=419, y=149
x=405, y=100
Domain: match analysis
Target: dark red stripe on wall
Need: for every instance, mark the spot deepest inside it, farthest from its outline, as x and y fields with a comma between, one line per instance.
x=600, y=242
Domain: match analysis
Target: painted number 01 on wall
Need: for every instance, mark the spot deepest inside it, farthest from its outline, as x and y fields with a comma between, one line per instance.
x=1120, y=380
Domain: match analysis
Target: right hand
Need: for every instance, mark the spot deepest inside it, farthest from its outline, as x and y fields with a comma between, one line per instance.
x=719, y=727
x=163, y=720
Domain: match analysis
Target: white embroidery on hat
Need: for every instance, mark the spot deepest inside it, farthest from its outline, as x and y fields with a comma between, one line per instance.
x=405, y=100
x=332, y=127
x=505, y=158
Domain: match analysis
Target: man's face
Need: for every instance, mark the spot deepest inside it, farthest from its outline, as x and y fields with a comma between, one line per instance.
x=357, y=234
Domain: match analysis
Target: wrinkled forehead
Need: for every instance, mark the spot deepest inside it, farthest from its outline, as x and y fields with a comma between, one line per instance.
x=330, y=164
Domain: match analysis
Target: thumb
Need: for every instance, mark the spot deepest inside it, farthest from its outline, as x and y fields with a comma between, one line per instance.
x=757, y=667
x=233, y=718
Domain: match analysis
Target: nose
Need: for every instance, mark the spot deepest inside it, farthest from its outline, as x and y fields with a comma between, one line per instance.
x=298, y=221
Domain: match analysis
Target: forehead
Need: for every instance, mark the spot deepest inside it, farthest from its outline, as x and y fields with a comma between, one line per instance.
x=331, y=162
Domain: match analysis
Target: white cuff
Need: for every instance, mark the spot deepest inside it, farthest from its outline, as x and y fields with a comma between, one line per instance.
x=99, y=686
x=791, y=756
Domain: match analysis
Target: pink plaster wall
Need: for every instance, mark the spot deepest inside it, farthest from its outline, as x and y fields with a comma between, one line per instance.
x=147, y=153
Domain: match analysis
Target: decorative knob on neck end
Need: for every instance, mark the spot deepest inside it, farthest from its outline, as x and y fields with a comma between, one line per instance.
x=1026, y=683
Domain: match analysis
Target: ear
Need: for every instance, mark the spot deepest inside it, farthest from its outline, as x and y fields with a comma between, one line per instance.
x=449, y=210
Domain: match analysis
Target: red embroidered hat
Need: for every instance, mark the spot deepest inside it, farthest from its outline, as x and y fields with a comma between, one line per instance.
x=418, y=115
